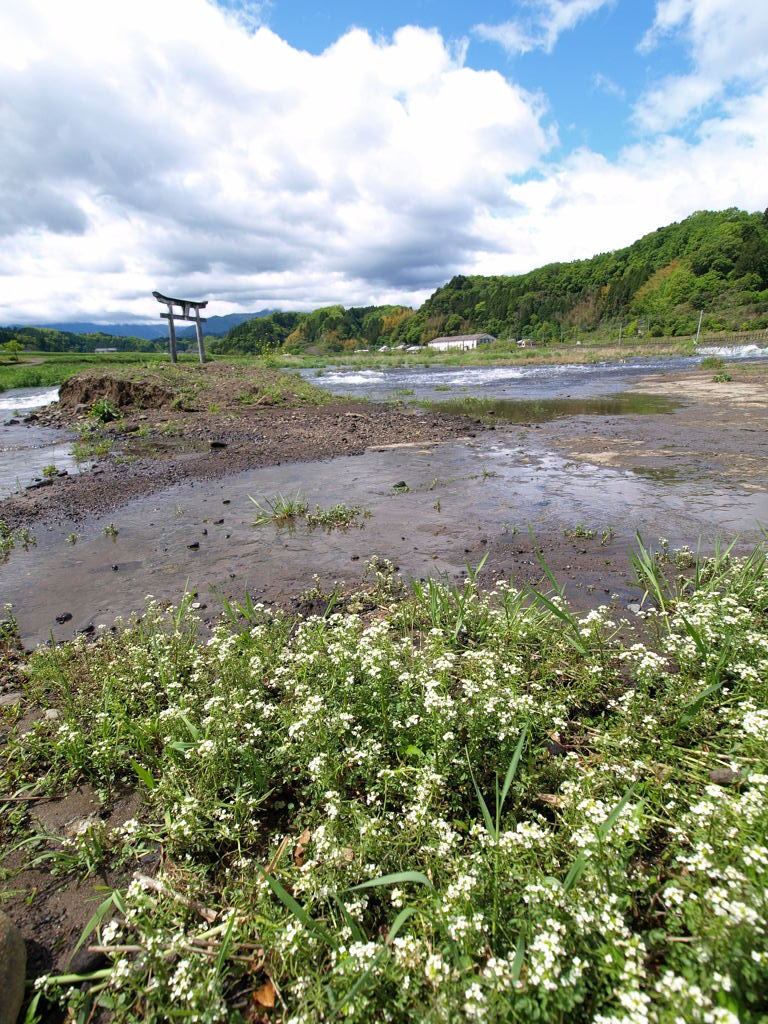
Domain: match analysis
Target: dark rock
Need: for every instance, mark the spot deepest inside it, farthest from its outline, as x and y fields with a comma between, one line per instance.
x=194, y=545
x=38, y=484
x=217, y=444
x=225, y=501
x=724, y=776
x=87, y=630
x=217, y=522
x=64, y=617
x=13, y=969
x=556, y=749
x=84, y=962
x=11, y=423
x=32, y=418
x=399, y=486
x=115, y=568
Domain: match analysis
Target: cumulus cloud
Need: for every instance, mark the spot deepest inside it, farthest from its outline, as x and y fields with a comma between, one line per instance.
x=728, y=45
x=176, y=146
x=589, y=204
x=540, y=30
x=198, y=149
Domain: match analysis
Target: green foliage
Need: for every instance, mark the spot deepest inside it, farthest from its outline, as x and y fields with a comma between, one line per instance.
x=464, y=807
x=49, y=339
x=103, y=411
x=714, y=261
x=11, y=538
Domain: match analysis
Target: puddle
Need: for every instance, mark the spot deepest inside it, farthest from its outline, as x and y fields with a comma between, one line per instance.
x=543, y=410
x=26, y=450
x=461, y=498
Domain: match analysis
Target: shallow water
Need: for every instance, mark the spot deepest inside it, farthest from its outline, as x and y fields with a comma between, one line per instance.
x=24, y=400
x=460, y=496
x=26, y=449
x=544, y=410
x=439, y=383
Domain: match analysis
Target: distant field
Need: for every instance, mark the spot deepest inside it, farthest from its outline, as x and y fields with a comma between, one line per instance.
x=46, y=369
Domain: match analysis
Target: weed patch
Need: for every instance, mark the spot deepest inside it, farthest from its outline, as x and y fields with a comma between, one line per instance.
x=464, y=806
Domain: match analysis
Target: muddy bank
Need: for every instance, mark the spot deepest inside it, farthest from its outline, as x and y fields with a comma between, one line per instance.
x=151, y=452
x=717, y=433
x=183, y=518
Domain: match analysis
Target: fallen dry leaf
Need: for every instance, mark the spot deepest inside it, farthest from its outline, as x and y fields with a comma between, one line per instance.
x=301, y=847
x=265, y=996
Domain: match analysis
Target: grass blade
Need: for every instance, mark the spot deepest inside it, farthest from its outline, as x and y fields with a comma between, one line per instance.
x=395, y=879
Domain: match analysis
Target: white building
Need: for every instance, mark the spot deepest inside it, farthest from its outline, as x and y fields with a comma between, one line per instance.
x=463, y=342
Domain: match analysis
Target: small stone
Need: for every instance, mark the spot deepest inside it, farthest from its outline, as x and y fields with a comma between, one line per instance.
x=13, y=969
x=217, y=444
x=724, y=776
x=217, y=522
x=225, y=501
x=115, y=568
x=194, y=545
x=87, y=630
x=64, y=617
x=10, y=700
x=52, y=714
x=634, y=608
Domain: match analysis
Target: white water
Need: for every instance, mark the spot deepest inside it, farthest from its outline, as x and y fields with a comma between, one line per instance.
x=735, y=351
x=26, y=399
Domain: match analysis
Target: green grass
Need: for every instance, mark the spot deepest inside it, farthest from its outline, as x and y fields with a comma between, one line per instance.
x=287, y=510
x=466, y=806
x=13, y=537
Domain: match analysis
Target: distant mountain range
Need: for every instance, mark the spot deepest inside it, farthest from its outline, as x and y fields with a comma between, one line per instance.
x=217, y=326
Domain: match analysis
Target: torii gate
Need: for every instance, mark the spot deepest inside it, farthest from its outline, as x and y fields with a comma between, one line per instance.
x=184, y=314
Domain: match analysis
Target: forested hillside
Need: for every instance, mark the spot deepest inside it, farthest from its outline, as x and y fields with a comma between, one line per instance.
x=715, y=262
x=48, y=339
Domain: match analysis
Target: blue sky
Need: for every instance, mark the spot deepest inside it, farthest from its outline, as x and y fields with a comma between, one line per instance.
x=585, y=111
x=293, y=153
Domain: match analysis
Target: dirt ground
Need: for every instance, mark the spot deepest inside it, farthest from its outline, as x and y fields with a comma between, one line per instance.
x=717, y=433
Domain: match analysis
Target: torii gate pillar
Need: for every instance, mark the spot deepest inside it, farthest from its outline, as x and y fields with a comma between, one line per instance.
x=189, y=310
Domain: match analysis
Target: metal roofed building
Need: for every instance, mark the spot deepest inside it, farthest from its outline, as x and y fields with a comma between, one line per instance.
x=463, y=342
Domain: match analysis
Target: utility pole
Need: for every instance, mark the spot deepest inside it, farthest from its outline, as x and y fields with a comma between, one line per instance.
x=698, y=329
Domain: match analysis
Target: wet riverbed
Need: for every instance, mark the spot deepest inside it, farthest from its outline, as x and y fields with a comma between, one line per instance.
x=460, y=500
x=26, y=449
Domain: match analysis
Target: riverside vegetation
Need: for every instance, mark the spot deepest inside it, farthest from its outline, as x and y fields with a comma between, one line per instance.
x=430, y=803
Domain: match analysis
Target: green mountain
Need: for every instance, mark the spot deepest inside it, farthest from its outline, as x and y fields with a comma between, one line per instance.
x=715, y=262
x=711, y=262
x=50, y=339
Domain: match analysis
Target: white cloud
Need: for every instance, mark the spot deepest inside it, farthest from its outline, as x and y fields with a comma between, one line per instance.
x=178, y=150
x=547, y=21
x=590, y=204
x=728, y=44
x=603, y=83
x=168, y=146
